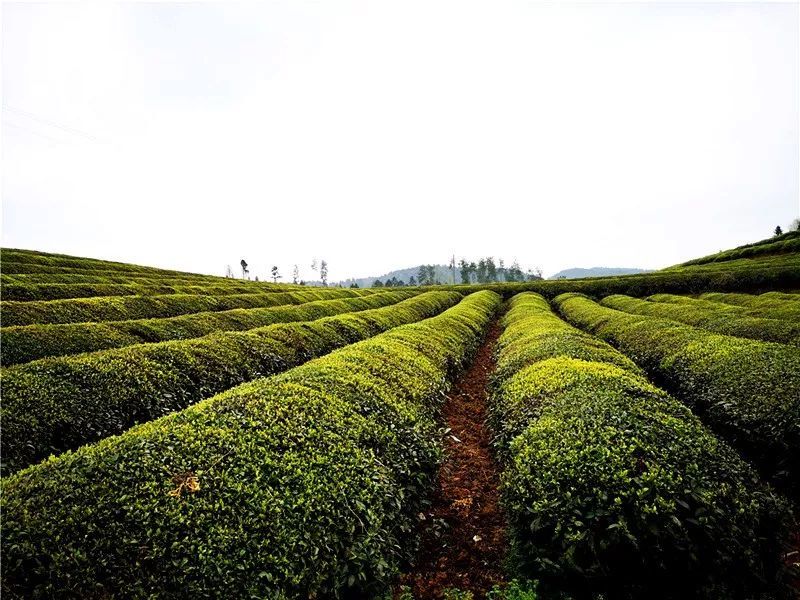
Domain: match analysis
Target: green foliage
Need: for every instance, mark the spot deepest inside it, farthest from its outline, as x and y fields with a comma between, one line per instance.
x=746, y=390
x=712, y=317
x=27, y=292
x=772, y=305
x=55, y=404
x=45, y=262
x=31, y=342
x=786, y=242
x=306, y=484
x=612, y=485
x=117, y=308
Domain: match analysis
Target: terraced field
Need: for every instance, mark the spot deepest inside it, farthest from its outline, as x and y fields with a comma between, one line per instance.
x=171, y=435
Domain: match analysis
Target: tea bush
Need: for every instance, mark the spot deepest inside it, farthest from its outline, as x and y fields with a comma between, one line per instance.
x=117, y=308
x=306, y=484
x=55, y=404
x=25, y=343
x=613, y=486
x=747, y=390
x=718, y=320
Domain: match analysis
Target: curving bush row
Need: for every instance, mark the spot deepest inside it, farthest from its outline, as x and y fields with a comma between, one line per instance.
x=303, y=485
x=747, y=390
x=140, y=278
x=718, y=320
x=55, y=404
x=58, y=291
x=14, y=257
x=788, y=242
x=612, y=486
x=117, y=308
x=773, y=305
x=25, y=343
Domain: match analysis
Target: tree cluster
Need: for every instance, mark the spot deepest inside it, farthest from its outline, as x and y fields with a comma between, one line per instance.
x=486, y=270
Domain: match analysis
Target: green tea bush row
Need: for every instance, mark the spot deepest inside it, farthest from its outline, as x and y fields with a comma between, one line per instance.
x=25, y=343
x=55, y=404
x=303, y=485
x=611, y=485
x=140, y=278
x=60, y=291
x=13, y=257
x=788, y=242
x=747, y=390
x=718, y=320
x=118, y=308
x=768, y=305
x=732, y=309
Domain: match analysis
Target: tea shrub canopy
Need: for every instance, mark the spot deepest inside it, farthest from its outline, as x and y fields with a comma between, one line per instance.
x=55, y=404
x=30, y=342
x=718, y=320
x=610, y=484
x=305, y=484
x=747, y=390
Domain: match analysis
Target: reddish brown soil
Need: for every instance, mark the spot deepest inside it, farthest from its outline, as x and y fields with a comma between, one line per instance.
x=468, y=553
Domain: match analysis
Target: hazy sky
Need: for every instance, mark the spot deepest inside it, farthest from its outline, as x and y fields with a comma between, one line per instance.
x=381, y=135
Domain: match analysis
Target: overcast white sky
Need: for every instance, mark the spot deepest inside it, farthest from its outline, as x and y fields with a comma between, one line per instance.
x=381, y=135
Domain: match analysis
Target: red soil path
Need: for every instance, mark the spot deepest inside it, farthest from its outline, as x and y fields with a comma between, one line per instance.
x=468, y=553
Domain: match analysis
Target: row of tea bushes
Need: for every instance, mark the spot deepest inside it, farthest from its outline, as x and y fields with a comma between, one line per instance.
x=788, y=242
x=772, y=305
x=45, y=260
x=715, y=318
x=25, y=343
x=117, y=308
x=55, y=404
x=732, y=309
x=303, y=485
x=140, y=278
x=611, y=485
x=26, y=292
x=747, y=390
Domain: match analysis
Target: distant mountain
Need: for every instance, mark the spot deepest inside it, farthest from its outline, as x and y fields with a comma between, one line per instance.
x=443, y=275
x=578, y=273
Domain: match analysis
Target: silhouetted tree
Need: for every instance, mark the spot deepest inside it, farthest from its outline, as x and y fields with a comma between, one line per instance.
x=422, y=275
x=354, y=285
x=778, y=230
x=491, y=269
x=323, y=273
x=412, y=281
x=377, y=283
x=295, y=274
x=464, y=268
x=228, y=272
x=243, y=262
x=275, y=275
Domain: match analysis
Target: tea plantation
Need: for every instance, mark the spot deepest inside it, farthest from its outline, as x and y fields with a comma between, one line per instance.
x=175, y=435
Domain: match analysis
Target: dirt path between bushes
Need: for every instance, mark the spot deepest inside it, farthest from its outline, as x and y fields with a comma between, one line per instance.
x=463, y=533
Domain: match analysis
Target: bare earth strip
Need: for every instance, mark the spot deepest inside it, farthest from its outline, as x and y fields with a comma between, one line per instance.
x=463, y=541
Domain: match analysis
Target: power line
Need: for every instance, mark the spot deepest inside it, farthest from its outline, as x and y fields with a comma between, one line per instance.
x=49, y=123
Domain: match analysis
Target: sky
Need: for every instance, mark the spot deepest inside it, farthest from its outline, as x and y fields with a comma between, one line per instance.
x=385, y=135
